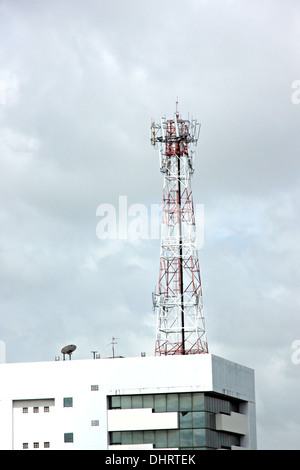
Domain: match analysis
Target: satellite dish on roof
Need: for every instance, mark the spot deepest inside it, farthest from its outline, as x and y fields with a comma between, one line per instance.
x=68, y=350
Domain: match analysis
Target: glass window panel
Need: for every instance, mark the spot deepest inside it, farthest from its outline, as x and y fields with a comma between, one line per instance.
x=126, y=437
x=173, y=438
x=198, y=401
x=68, y=402
x=68, y=437
x=115, y=402
x=137, y=401
x=160, y=403
x=185, y=402
x=186, y=438
x=137, y=437
x=148, y=401
x=185, y=419
x=161, y=438
x=149, y=437
x=115, y=437
x=126, y=402
x=172, y=402
x=199, y=437
x=198, y=419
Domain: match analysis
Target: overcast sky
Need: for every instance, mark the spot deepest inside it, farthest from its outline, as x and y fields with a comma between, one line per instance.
x=80, y=82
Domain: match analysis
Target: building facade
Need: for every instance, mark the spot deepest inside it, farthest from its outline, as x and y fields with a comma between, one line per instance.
x=173, y=402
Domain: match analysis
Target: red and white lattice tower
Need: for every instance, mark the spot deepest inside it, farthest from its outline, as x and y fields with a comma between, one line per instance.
x=178, y=302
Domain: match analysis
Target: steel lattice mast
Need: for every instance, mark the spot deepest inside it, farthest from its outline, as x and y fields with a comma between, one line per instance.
x=178, y=302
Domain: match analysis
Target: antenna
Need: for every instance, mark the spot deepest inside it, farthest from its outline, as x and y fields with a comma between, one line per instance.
x=178, y=302
x=94, y=354
x=68, y=350
x=113, y=342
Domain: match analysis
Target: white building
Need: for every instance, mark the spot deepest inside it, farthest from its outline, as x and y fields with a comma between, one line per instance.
x=177, y=402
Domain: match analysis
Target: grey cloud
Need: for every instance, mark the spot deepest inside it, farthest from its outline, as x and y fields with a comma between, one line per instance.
x=83, y=80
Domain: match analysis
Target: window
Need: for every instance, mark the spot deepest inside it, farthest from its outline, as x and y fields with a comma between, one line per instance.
x=126, y=401
x=68, y=437
x=186, y=437
x=25, y=445
x=126, y=437
x=199, y=419
x=198, y=401
x=25, y=409
x=95, y=422
x=148, y=401
x=115, y=402
x=185, y=419
x=68, y=402
x=36, y=445
x=149, y=437
x=137, y=401
x=160, y=403
x=199, y=438
x=94, y=388
x=46, y=445
x=182, y=438
x=115, y=437
x=173, y=438
x=137, y=437
x=185, y=402
x=172, y=402
x=161, y=438
x=46, y=409
x=35, y=409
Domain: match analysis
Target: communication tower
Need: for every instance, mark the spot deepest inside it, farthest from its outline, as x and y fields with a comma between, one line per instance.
x=178, y=302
